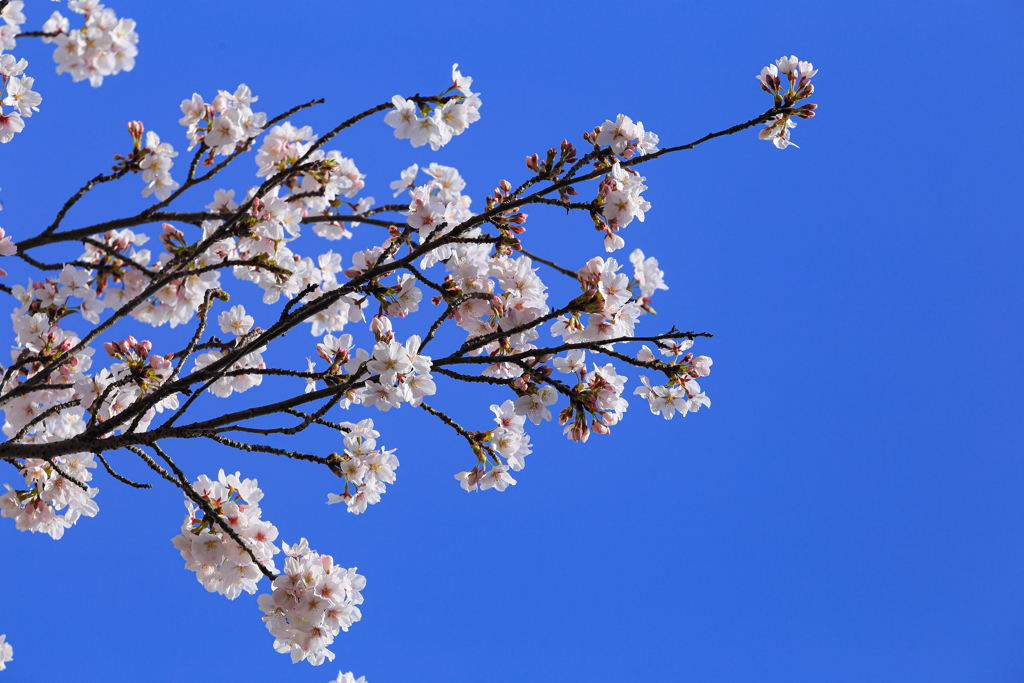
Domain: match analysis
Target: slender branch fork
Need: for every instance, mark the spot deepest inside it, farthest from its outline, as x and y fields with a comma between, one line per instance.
x=101, y=437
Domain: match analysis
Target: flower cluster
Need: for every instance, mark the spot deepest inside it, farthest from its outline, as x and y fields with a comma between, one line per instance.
x=680, y=393
x=394, y=374
x=598, y=394
x=800, y=87
x=436, y=208
x=364, y=466
x=36, y=508
x=434, y=120
x=156, y=166
x=223, y=125
x=104, y=46
x=220, y=563
x=620, y=193
x=508, y=440
x=608, y=300
x=312, y=601
x=15, y=88
x=137, y=373
x=7, y=654
x=236, y=322
x=624, y=137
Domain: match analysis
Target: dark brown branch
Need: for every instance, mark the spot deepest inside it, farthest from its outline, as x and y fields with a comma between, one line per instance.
x=478, y=342
x=347, y=219
x=123, y=480
x=257, y=448
x=449, y=310
x=101, y=178
x=550, y=264
x=451, y=423
x=538, y=353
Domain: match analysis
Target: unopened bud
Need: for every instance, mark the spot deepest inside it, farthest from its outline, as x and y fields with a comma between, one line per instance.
x=505, y=185
x=380, y=325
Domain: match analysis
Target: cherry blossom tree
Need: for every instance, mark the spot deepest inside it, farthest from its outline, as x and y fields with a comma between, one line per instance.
x=75, y=401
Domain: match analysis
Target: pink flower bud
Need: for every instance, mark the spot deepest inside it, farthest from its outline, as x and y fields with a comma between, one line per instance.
x=380, y=325
x=144, y=347
x=702, y=364
x=111, y=348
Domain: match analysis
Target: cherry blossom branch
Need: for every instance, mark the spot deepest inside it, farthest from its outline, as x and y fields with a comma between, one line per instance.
x=458, y=358
x=317, y=420
x=123, y=480
x=243, y=147
x=78, y=233
x=99, y=179
x=67, y=476
x=550, y=264
x=52, y=410
x=257, y=448
x=449, y=310
x=211, y=513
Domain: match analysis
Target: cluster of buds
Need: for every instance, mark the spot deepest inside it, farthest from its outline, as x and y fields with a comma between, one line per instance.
x=130, y=351
x=800, y=88
x=509, y=222
x=551, y=167
x=173, y=239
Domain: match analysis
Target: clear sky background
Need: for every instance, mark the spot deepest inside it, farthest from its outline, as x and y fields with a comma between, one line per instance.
x=849, y=509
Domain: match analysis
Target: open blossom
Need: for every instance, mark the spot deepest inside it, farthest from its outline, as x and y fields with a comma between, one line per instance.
x=10, y=123
x=235, y=321
x=348, y=677
x=535, y=405
x=7, y=653
x=21, y=96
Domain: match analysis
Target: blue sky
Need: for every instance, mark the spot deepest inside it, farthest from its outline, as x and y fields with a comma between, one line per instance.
x=849, y=508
